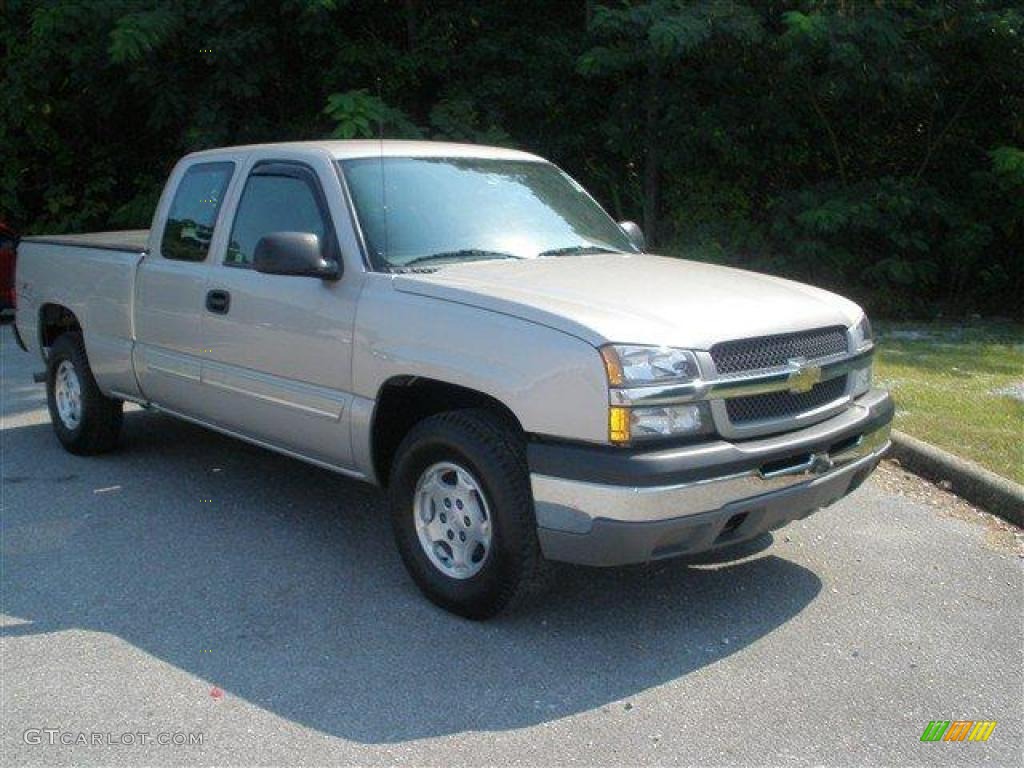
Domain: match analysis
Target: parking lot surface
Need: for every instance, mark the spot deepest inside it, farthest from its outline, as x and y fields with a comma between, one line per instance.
x=192, y=584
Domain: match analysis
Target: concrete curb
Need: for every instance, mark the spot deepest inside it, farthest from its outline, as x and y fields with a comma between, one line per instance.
x=977, y=485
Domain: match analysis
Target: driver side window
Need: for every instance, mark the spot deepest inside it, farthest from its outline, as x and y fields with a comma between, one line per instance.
x=274, y=202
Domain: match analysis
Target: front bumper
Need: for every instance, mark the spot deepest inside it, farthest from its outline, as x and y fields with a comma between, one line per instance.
x=598, y=506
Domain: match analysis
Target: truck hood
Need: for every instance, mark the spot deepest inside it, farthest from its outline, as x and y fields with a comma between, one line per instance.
x=634, y=298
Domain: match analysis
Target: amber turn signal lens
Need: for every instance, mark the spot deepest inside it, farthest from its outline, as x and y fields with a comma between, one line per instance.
x=612, y=366
x=618, y=424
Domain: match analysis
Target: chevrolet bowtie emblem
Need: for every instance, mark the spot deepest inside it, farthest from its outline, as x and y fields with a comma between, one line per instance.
x=803, y=376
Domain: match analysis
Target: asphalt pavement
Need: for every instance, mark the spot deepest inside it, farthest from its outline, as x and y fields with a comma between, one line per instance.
x=189, y=585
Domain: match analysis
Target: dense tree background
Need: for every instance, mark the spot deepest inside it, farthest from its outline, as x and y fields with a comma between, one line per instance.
x=873, y=147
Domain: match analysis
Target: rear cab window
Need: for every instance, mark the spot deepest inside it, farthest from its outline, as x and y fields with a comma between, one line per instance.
x=193, y=212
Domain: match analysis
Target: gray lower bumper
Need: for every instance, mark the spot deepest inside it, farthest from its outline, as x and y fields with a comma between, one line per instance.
x=602, y=523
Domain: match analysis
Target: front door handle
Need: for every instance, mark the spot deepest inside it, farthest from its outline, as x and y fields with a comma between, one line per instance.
x=218, y=302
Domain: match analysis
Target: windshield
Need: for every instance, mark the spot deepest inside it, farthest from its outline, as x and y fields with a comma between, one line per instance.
x=467, y=209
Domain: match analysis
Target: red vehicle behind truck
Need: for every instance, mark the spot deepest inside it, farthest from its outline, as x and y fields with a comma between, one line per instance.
x=8, y=243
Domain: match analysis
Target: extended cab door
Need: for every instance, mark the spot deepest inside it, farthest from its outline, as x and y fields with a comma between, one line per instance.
x=278, y=360
x=170, y=290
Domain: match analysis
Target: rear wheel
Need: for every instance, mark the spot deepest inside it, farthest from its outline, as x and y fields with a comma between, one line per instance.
x=85, y=420
x=462, y=512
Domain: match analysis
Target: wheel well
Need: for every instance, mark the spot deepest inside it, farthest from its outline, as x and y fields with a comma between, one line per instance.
x=405, y=401
x=54, y=320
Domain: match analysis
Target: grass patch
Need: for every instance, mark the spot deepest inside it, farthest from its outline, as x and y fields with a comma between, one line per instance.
x=960, y=387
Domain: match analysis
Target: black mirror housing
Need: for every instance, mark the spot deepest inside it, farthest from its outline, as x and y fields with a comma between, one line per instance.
x=294, y=253
x=634, y=233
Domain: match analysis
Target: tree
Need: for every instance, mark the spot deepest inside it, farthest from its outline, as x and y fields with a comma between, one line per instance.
x=645, y=50
x=870, y=147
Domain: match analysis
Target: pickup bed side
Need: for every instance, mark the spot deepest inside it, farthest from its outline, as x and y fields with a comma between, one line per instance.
x=84, y=282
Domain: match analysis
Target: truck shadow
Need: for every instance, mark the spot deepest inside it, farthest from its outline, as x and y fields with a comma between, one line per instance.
x=278, y=583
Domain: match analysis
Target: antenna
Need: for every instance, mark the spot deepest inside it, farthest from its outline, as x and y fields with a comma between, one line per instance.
x=380, y=159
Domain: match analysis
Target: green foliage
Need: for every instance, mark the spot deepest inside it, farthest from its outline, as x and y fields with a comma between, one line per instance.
x=1008, y=165
x=667, y=30
x=890, y=236
x=874, y=148
x=459, y=120
x=954, y=385
x=137, y=35
x=359, y=115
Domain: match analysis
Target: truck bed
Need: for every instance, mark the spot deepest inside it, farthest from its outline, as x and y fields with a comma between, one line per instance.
x=134, y=240
x=92, y=276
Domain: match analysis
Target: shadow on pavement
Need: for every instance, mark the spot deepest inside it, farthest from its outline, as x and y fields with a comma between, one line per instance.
x=287, y=574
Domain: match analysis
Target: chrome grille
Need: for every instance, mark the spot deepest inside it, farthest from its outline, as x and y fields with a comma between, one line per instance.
x=781, y=405
x=764, y=352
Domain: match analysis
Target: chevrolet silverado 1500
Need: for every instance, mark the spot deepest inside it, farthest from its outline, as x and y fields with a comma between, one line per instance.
x=467, y=328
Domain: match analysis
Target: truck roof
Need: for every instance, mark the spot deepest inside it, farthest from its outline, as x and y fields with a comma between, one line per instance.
x=347, y=149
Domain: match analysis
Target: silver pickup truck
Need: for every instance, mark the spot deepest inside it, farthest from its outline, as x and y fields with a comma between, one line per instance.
x=467, y=328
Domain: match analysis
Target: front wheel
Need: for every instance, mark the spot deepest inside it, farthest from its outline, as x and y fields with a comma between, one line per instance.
x=85, y=420
x=462, y=512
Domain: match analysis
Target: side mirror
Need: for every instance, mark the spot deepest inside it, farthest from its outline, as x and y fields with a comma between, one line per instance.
x=294, y=253
x=634, y=233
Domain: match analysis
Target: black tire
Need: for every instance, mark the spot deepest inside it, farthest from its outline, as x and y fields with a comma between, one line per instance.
x=99, y=424
x=495, y=455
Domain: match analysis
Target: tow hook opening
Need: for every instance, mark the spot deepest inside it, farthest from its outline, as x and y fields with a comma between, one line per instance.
x=731, y=527
x=734, y=522
x=787, y=466
x=804, y=464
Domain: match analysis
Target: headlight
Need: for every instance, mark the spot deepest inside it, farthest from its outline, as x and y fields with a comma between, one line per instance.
x=863, y=337
x=630, y=365
x=860, y=380
x=666, y=421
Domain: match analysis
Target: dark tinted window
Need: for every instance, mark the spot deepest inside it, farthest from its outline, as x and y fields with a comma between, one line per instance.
x=194, y=211
x=273, y=204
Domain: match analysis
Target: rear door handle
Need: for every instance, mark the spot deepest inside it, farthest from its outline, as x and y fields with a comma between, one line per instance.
x=218, y=302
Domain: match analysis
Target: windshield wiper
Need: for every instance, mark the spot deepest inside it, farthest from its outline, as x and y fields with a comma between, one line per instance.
x=464, y=254
x=573, y=250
